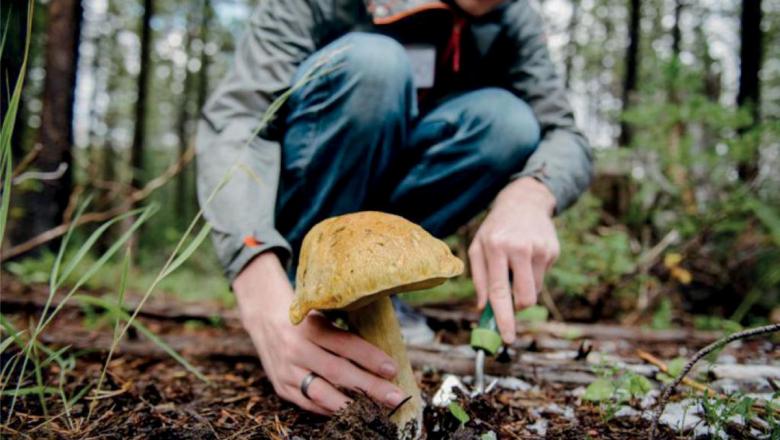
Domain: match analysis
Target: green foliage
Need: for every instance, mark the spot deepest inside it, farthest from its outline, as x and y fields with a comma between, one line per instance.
x=718, y=411
x=458, y=412
x=674, y=369
x=614, y=389
x=453, y=290
x=662, y=317
x=591, y=256
x=599, y=390
x=715, y=323
x=198, y=279
x=535, y=313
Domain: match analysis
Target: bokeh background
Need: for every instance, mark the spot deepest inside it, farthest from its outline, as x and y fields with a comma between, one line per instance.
x=681, y=99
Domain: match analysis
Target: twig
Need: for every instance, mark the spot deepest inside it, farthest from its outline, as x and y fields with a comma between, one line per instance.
x=697, y=357
x=549, y=302
x=92, y=217
x=25, y=162
x=41, y=175
x=647, y=357
x=648, y=259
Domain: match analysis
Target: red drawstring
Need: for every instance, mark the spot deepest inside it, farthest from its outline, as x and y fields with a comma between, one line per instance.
x=453, y=46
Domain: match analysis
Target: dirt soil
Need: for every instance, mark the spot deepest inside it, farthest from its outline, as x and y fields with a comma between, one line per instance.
x=150, y=398
x=147, y=395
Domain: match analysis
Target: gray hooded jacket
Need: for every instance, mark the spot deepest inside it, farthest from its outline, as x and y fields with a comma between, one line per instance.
x=238, y=172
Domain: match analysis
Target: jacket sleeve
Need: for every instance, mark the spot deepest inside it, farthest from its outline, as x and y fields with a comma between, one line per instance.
x=563, y=160
x=238, y=173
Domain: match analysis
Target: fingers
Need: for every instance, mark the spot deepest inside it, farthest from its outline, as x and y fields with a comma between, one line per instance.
x=501, y=295
x=354, y=348
x=479, y=272
x=323, y=398
x=539, y=266
x=524, y=285
x=343, y=373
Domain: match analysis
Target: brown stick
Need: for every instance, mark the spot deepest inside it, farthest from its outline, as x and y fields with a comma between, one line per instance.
x=582, y=331
x=647, y=357
x=92, y=217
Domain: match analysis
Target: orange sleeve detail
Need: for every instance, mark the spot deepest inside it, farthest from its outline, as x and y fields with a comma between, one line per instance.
x=251, y=242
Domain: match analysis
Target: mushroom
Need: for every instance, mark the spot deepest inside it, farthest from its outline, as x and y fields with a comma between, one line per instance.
x=353, y=263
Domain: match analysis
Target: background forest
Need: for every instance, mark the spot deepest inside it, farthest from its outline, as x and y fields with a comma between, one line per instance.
x=681, y=99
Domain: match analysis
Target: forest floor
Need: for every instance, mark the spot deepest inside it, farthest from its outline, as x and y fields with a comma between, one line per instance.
x=540, y=392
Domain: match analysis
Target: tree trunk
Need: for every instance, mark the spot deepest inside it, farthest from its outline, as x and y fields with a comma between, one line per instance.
x=203, y=81
x=137, y=152
x=46, y=206
x=13, y=13
x=678, y=171
x=632, y=67
x=572, y=48
x=184, y=116
x=749, y=95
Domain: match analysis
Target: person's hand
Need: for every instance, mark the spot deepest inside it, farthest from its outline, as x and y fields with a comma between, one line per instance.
x=518, y=235
x=290, y=352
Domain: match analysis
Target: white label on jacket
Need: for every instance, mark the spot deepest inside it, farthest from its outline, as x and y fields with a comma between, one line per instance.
x=423, y=61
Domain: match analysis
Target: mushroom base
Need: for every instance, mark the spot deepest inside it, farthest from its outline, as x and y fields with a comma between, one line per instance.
x=376, y=323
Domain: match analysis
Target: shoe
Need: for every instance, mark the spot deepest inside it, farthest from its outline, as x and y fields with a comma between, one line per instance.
x=414, y=328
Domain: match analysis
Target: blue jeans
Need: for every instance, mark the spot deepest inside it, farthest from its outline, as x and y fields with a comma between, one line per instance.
x=354, y=140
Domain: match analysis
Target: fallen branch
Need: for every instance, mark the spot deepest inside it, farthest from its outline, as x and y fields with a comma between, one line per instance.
x=92, y=217
x=697, y=357
x=465, y=318
x=32, y=298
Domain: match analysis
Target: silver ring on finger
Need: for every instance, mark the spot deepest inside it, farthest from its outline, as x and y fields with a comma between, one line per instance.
x=307, y=380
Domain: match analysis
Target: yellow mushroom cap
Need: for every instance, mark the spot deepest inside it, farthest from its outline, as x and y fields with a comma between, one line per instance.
x=347, y=260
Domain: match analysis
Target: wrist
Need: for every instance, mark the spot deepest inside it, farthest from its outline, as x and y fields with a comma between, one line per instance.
x=528, y=191
x=261, y=285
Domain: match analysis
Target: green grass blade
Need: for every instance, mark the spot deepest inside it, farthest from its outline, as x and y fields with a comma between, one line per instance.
x=93, y=238
x=97, y=265
x=55, y=356
x=189, y=250
x=7, y=343
x=55, y=269
x=5, y=203
x=26, y=391
x=44, y=321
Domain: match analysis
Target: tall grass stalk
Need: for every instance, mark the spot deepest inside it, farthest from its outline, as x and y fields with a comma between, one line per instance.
x=31, y=349
x=176, y=259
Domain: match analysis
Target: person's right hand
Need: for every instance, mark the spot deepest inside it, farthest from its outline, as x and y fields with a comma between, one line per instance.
x=289, y=352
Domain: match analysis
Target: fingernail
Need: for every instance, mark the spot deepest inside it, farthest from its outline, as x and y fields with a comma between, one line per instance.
x=388, y=370
x=509, y=338
x=394, y=398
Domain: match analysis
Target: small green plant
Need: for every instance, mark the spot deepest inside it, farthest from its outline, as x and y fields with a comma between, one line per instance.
x=458, y=412
x=715, y=323
x=535, y=313
x=615, y=389
x=718, y=412
x=662, y=317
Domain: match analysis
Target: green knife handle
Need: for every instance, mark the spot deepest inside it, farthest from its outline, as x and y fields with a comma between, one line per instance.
x=488, y=319
x=485, y=336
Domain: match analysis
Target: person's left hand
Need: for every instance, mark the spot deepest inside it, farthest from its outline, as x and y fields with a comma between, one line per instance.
x=518, y=235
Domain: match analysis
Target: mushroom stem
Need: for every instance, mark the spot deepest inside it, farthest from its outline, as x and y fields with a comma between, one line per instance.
x=377, y=324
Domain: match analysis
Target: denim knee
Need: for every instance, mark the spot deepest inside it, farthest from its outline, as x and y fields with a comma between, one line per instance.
x=378, y=67
x=511, y=130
